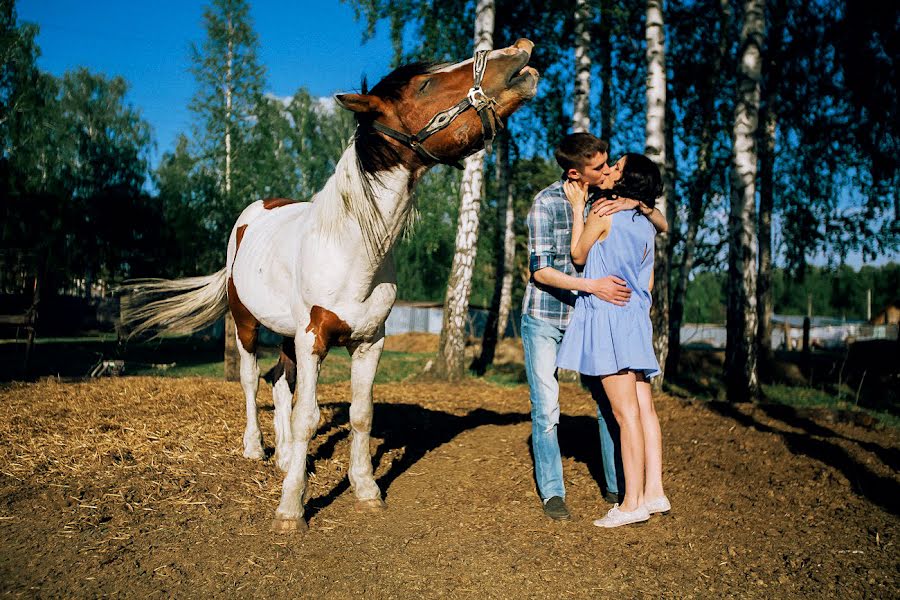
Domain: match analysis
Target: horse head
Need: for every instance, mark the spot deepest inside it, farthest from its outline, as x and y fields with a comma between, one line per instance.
x=422, y=114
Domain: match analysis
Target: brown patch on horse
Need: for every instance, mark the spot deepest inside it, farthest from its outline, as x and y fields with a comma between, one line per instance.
x=285, y=367
x=330, y=330
x=238, y=236
x=271, y=203
x=246, y=324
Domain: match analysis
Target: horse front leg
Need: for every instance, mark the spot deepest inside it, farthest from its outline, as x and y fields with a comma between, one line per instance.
x=304, y=421
x=364, y=364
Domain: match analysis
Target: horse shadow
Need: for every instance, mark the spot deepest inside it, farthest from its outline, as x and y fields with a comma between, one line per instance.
x=881, y=491
x=415, y=429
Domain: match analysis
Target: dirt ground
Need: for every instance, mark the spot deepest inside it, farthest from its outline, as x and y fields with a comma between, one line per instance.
x=136, y=487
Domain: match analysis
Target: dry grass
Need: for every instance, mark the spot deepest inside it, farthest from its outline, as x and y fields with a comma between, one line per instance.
x=137, y=486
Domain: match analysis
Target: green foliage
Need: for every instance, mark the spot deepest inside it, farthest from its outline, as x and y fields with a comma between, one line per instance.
x=74, y=163
x=424, y=256
x=838, y=293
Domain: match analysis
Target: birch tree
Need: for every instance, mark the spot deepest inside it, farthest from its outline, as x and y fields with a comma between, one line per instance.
x=655, y=149
x=581, y=119
x=451, y=350
x=740, y=350
x=229, y=84
x=505, y=257
x=769, y=120
x=704, y=42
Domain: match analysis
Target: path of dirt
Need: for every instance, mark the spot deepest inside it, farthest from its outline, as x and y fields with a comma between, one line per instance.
x=136, y=487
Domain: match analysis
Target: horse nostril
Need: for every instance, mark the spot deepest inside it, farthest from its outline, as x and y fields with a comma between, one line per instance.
x=524, y=44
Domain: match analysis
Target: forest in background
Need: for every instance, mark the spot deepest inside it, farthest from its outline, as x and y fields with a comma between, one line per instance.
x=84, y=209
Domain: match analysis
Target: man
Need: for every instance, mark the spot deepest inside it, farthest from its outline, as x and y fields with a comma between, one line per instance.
x=546, y=308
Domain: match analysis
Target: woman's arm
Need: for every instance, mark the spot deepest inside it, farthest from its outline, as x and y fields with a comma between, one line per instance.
x=614, y=205
x=595, y=228
x=650, y=287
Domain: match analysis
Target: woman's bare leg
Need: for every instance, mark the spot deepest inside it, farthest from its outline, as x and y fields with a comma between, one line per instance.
x=622, y=393
x=653, y=487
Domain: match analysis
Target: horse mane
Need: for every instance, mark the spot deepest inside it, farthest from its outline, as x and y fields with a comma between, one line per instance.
x=365, y=162
x=356, y=187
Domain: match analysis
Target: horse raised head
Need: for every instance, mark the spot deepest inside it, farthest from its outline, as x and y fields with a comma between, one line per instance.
x=321, y=273
x=441, y=113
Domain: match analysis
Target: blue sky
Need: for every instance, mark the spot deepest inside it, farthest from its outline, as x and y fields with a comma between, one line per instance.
x=316, y=45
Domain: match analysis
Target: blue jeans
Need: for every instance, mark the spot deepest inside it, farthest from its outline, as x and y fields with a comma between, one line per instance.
x=541, y=341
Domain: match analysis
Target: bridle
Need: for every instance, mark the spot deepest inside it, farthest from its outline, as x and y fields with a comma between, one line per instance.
x=475, y=98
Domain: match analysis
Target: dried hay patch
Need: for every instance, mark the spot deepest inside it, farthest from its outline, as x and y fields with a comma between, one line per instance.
x=136, y=486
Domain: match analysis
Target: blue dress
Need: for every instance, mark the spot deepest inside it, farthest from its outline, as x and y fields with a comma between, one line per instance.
x=603, y=338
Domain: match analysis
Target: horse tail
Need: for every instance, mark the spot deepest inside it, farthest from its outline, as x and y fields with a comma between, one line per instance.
x=173, y=306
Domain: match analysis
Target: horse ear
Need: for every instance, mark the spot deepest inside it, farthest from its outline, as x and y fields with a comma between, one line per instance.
x=359, y=103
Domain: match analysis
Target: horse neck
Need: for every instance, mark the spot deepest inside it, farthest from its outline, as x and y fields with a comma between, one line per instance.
x=369, y=211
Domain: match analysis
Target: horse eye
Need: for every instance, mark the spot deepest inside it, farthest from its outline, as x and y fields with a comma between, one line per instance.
x=424, y=85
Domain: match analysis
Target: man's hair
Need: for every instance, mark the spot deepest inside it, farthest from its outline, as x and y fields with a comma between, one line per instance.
x=576, y=149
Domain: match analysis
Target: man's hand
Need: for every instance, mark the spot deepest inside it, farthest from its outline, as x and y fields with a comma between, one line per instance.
x=614, y=205
x=609, y=288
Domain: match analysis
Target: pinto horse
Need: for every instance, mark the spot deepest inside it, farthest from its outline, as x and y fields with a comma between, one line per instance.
x=321, y=273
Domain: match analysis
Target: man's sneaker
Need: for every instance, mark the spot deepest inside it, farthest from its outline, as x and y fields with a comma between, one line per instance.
x=612, y=497
x=555, y=508
x=658, y=505
x=617, y=518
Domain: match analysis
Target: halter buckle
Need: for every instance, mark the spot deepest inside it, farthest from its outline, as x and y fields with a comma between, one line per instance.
x=477, y=98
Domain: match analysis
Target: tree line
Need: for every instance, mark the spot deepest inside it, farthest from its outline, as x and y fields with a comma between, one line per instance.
x=777, y=149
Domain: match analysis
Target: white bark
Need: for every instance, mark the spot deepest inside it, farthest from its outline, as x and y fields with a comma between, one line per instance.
x=232, y=358
x=740, y=352
x=229, y=92
x=451, y=353
x=655, y=149
x=581, y=118
x=509, y=259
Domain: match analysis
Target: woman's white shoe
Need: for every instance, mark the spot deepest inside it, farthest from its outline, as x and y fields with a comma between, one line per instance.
x=617, y=518
x=658, y=505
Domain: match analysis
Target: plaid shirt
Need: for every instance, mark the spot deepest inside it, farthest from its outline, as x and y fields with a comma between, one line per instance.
x=549, y=245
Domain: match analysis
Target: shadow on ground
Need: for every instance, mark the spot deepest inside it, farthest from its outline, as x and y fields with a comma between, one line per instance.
x=414, y=429
x=879, y=490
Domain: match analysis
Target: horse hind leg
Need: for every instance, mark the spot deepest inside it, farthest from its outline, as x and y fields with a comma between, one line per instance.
x=246, y=330
x=285, y=382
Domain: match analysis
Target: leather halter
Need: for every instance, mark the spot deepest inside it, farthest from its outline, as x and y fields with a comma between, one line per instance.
x=475, y=98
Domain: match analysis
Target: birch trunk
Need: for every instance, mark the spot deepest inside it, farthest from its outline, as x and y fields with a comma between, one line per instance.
x=655, y=149
x=740, y=351
x=509, y=253
x=498, y=315
x=581, y=119
x=607, y=114
x=232, y=357
x=229, y=92
x=698, y=192
x=769, y=120
x=764, y=281
x=450, y=362
x=696, y=208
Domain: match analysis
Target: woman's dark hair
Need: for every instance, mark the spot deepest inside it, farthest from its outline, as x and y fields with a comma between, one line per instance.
x=640, y=180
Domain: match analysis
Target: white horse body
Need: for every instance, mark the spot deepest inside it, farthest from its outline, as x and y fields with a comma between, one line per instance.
x=293, y=248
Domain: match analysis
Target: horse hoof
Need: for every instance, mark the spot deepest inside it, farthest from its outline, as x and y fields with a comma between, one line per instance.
x=285, y=526
x=373, y=505
x=254, y=451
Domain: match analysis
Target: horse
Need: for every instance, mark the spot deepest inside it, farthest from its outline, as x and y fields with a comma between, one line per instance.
x=321, y=273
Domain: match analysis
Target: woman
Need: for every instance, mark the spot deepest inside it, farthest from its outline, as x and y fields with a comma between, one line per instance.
x=616, y=342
